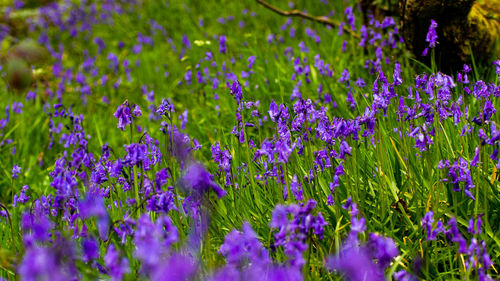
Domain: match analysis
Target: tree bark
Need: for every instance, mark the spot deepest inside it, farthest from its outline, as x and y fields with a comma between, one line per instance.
x=466, y=28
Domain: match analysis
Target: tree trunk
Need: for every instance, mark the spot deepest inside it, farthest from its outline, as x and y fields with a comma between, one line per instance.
x=466, y=28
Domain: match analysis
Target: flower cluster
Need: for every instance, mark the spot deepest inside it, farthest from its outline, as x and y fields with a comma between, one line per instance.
x=458, y=172
x=293, y=233
x=366, y=261
x=477, y=257
x=94, y=202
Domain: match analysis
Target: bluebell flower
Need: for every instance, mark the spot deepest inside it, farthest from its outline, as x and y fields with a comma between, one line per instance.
x=356, y=264
x=222, y=44
x=236, y=91
x=116, y=265
x=16, y=170
x=431, y=37
x=90, y=249
x=198, y=181
x=22, y=198
x=123, y=115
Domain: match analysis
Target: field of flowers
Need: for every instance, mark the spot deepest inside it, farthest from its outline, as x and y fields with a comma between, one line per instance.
x=217, y=140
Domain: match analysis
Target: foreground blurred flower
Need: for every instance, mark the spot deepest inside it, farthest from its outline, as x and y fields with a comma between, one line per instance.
x=90, y=249
x=197, y=181
x=152, y=241
x=363, y=262
x=177, y=267
x=357, y=265
x=117, y=266
x=247, y=259
x=55, y=263
x=93, y=206
x=243, y=247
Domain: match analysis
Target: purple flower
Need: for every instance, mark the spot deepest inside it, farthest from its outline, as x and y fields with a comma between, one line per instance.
x=236, y=91
x=397, y=75
x=303, y=47
x=116, y=266
x=16, y=170
x=431, y=34
x=345, y=149
x=100, y=44
x=37, y=227
x=458, y=174
x=270, y=38
x=350, y=99
x=497, y=67
x=55, y=263
x=22, y=198
x=166, y=106
x=356, y=261
x=93, y=206
x=161, y=178
x=475, y=159
x=198, y=181
x=383, y=249
x=356, y=264
x=293, y=232
x=330, y=201
x=222, y=44
x=113, y=61
x=344, y=77
x=90, y=249
x=184, y=119
x=244, y=247
x=475, y=227
x=123, y=115
x=431, y=37
x=223, y=158
x=137, y=111
x=296, y=188
x=348, y=12
x=251, y=61
x=17, y=107
x=185, y=41
x=403, y=275
x=176, y=267
x=427, y=222
x=18, y=4
x=152, y=241
x=360, y=82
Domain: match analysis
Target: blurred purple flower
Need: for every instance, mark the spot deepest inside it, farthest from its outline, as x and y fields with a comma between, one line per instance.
x=356, y=264
x=90, y=249
x=244, y=247
x=198, y=181
x=116, y=265
x=222, y=44
x=16, y=170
